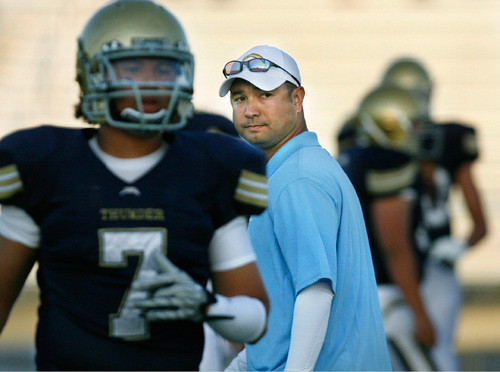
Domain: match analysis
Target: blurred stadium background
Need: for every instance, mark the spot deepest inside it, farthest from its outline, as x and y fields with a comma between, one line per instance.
x=341, y=46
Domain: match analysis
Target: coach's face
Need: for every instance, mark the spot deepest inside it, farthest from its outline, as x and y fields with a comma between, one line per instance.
x=266, y=119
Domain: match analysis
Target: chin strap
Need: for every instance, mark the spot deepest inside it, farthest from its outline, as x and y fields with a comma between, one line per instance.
x=135, y=116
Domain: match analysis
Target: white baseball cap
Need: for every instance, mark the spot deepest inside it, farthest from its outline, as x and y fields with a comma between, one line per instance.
x=284, y=69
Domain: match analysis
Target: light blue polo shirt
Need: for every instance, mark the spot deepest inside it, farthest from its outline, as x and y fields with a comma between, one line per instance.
x=314, y=230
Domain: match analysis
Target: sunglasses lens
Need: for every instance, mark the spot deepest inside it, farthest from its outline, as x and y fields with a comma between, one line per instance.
x=259, y=65
x=254, y=65
x=232, y=68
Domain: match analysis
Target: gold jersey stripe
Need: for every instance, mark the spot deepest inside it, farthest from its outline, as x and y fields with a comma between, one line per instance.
x=10, y=181
x=386, y=181
x=8, y=169
x=252, y=189
x=255, y=177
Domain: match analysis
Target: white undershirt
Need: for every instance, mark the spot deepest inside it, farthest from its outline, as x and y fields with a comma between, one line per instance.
x=128, y=170
x=230, y=246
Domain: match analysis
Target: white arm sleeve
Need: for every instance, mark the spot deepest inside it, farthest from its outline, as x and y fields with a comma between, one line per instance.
x=18, y=226
x=230, y=246
x=310, y=321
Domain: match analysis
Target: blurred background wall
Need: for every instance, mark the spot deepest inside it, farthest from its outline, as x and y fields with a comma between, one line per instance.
x=341, y=46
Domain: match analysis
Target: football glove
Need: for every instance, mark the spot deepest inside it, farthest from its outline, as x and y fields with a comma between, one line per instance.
x=172, y=294
x=447, y=250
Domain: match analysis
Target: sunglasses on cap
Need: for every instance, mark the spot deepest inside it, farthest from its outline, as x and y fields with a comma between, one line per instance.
x=254, y=65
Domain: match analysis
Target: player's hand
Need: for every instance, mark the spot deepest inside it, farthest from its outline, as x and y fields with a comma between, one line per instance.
x=173, y=294
x=424, y=331
x=447, y=250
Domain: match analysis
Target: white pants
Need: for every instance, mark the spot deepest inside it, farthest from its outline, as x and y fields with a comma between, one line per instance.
x=405, y=352
x=442, y=294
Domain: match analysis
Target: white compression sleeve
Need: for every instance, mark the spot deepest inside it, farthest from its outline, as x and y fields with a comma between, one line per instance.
x=230, y=246
x=310, y=321
x=248, y=321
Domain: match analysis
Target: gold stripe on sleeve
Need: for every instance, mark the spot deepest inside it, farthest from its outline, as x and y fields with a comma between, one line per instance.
x=252, y=189
x=386, y=181
x=10, y=181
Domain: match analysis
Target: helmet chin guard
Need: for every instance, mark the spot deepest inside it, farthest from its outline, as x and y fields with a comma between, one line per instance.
x=130, y=114
x=126, y=30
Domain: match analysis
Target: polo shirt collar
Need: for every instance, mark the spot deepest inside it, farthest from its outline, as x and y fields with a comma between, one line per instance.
x=304, y=139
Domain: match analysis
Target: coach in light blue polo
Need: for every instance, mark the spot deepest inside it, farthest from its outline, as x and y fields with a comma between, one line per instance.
x=311, y=243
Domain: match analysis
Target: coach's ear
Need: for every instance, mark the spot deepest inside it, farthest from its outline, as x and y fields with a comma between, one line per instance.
x=298, y=95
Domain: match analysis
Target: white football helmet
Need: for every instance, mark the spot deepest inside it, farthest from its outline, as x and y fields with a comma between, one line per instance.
x=121, y=31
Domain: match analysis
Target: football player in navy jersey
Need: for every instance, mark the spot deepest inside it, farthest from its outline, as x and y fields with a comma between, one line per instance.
x=448, y=153
x=128, y=221
x=383, y=170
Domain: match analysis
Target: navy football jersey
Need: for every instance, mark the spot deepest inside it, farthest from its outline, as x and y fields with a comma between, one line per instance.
x=346, y=136
x=450, y=145
x=377, y=172
x=435, y=209
x=208, y=122
x=98, y=234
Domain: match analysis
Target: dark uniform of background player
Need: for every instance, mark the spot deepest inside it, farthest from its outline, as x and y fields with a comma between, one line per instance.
x=203, y=121
x=381, y=166
x=98, y=208
x=345, y=137
x=448, y=152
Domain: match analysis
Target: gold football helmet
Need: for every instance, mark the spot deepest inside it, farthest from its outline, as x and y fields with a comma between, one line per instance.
x=386, y=115
x=409, y=73
x=131, y=30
